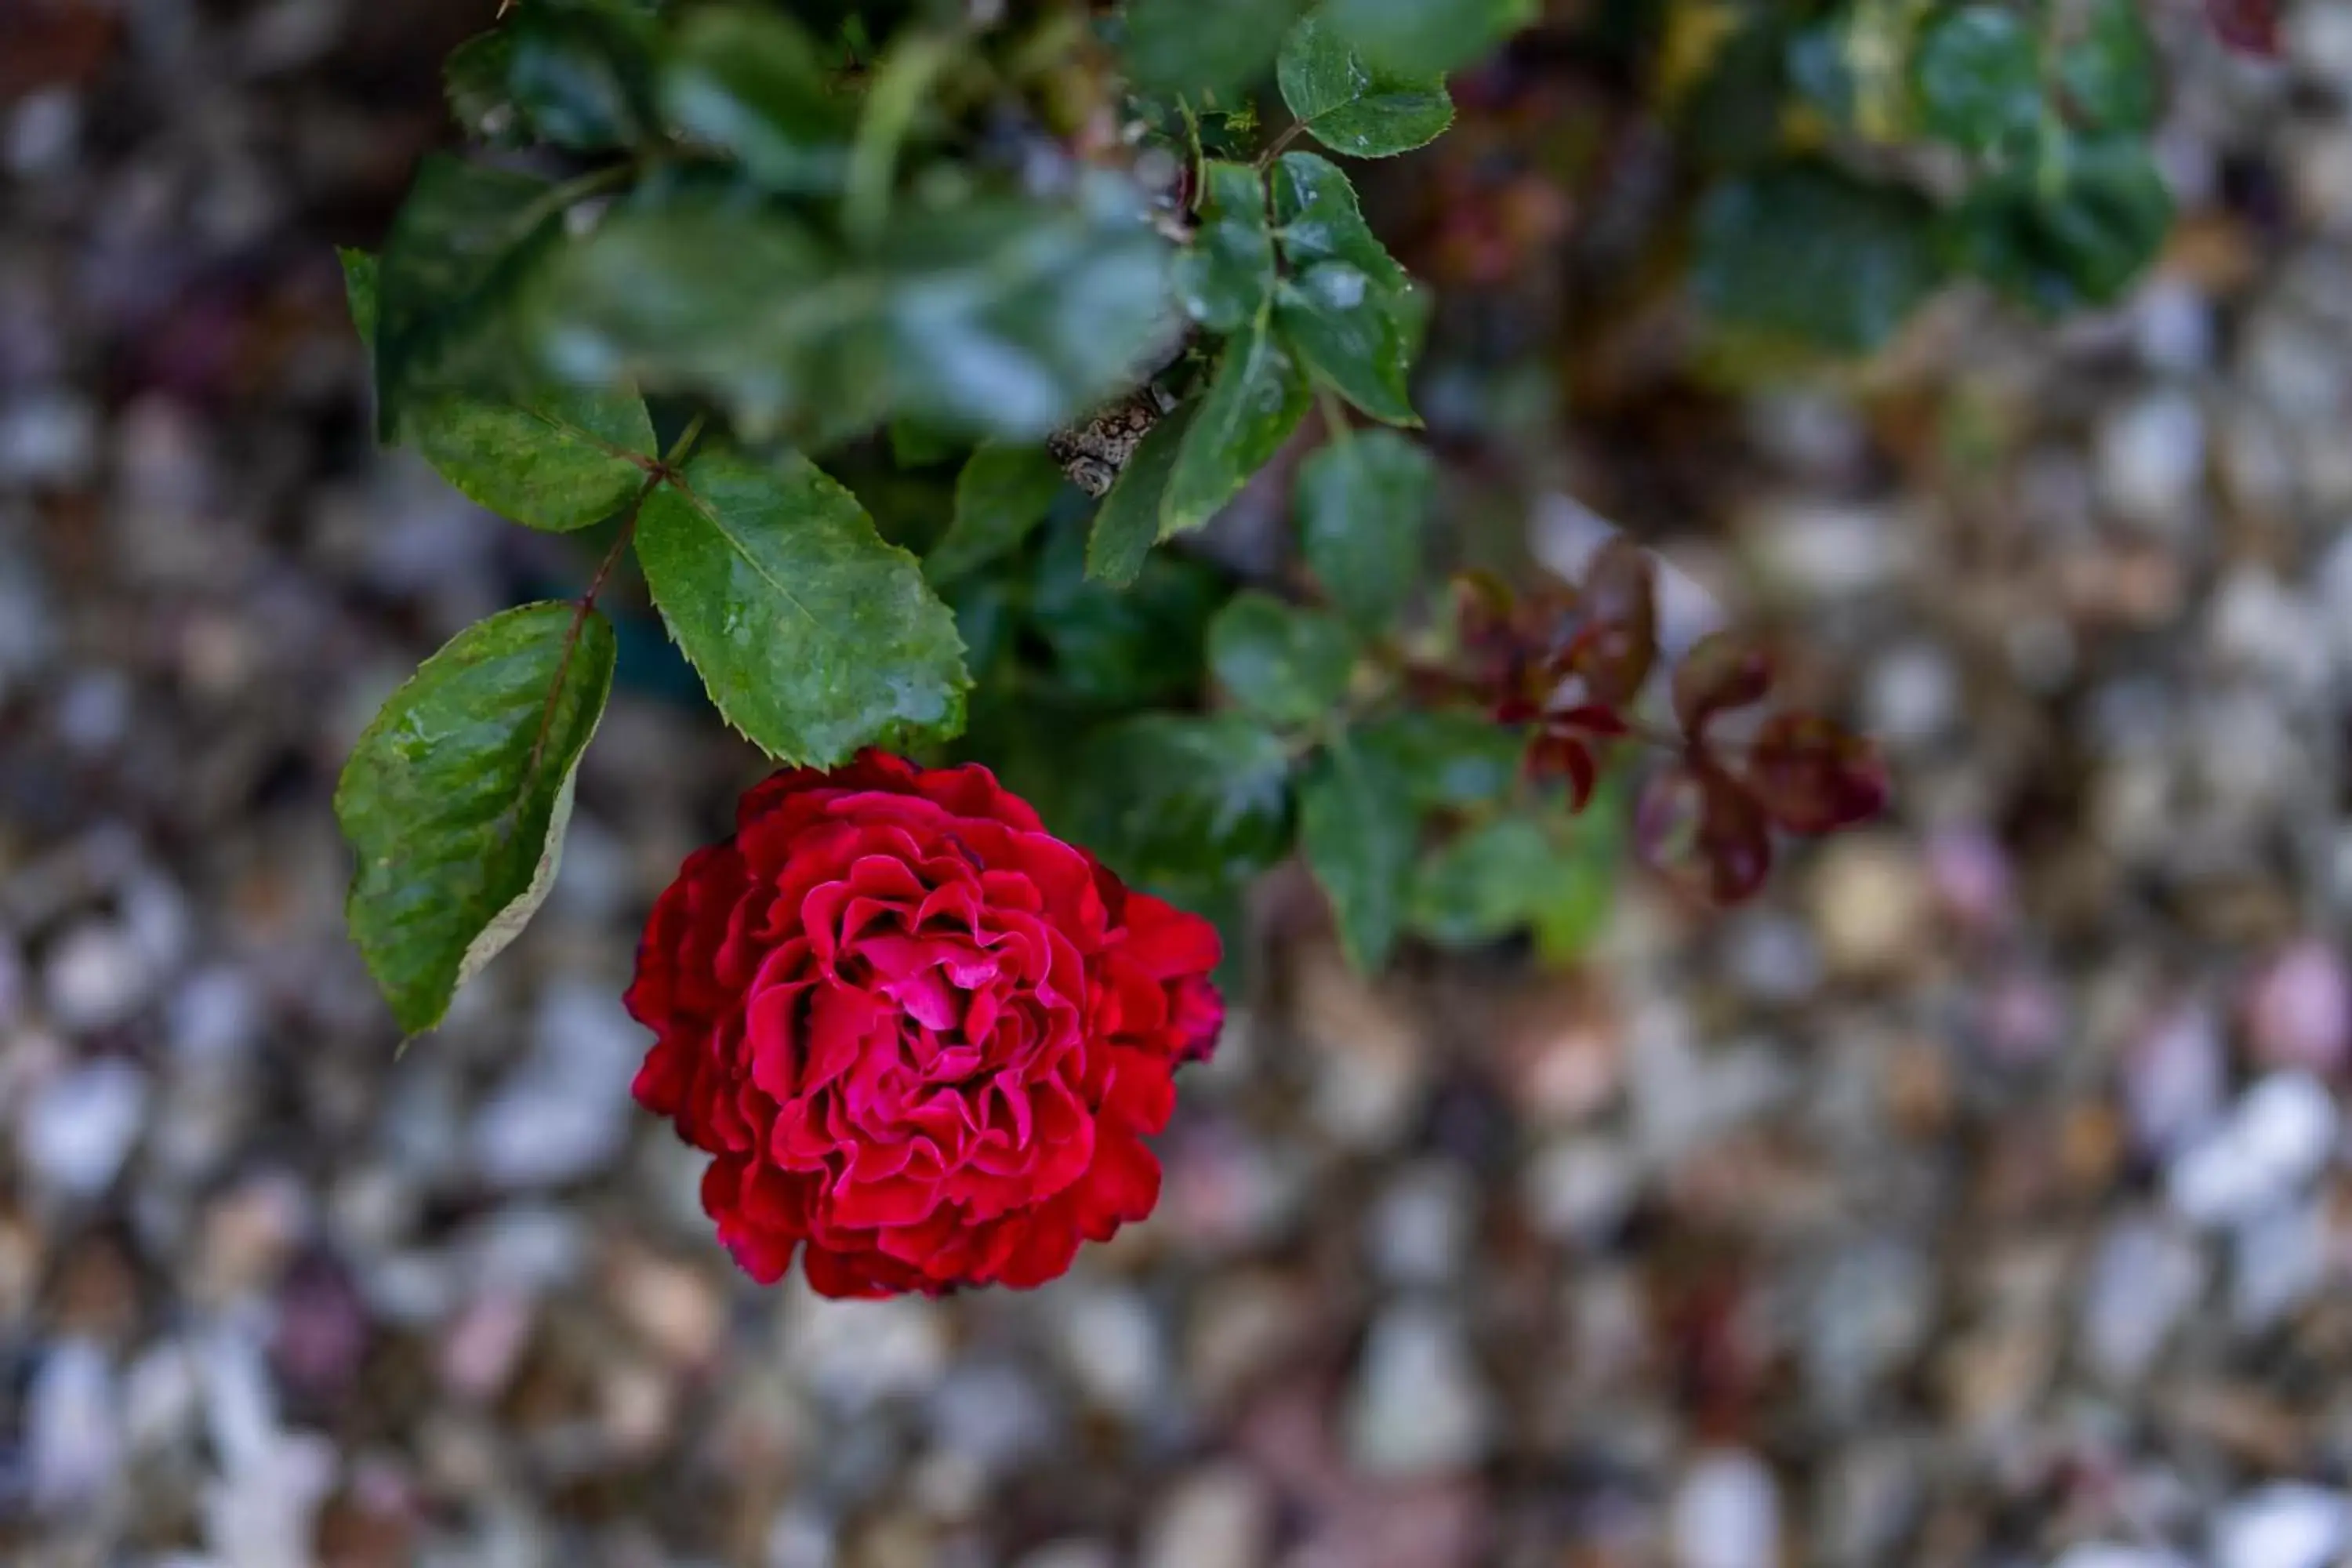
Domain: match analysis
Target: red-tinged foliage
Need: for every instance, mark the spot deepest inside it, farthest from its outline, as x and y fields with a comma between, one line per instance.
x=2251, y=27
x=1572, y=662
x=1812, y=777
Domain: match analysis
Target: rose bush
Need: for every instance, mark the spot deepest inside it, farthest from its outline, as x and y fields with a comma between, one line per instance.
x=920, y=1035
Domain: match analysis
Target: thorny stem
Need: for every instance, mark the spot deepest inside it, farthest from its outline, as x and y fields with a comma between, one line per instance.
x=1281, y=144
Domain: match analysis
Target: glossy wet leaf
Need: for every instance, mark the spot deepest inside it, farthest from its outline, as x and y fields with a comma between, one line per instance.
x=1255, y=401
x=460, y=248
x=1362, y=503
x=1350, y=335
x=1126, y=525
x=1318, y=218
x=1226, y=276
x=1426, y=35
x=1285, y=664
x=1353, y=106
x=1358, y=830
x=2080, y=241
x=1001, y=494
x=1811, y=253
x=1204, y=46
x=2112, y=72
x=751, y=82
x=550, y=456
x=1136, y=645
x=580, y=72
x=1978, y=76
x=455, y=797
x=812, y=637
x=1177, y=797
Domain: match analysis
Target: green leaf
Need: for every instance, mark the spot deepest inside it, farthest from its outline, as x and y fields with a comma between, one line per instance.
x=554, y=456
x=1288, y=666
x=473, y=81
x=1449, y=759
x=1255, y=401
x=457, y=254
x=1001, y=494
x=1188, y=798
x=812, y=637
x=1126, y=524
x=1012, y=317
x=752, y=83
x=2112, y=74
x=1353, y=106
x=1317, y=219
x=1122, y=648
x=1807, y=251
x=582, y=72
x=1350, y=335
x=455, y=799
x=1358, y=829
x=2081, y=240
x=1426, y=35
x=1362, y=503
x=1978, y=75
x=1226, y=276
x=1204, y=46
x=1484, y=885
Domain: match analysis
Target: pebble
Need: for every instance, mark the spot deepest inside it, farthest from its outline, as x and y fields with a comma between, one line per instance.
x=1114, y=1348
x=2279, y=1261
x=857, y=1353
x=73, y=1434
x=1217, y=1517
x=2288, y=1525
x=1420, y=1227
x=97, y=975
x=2282, y=1131
x=565, y=1112
x=1418, y=1407
x=2145, y=1277
x=2299, y=1009
x=2173, y=1077
x=2151, y=461
x=1726, y=1513
x=77, y=1130
x=994, y=1413
x=1578, y=1190
x=1870, y=905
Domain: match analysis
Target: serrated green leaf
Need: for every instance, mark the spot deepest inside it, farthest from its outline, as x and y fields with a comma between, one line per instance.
x=2080, y=241
x=1226, y=276
x=454, y=799
x=1808, y=251
x=1426, y=35
x=1289, y=666
x=1178, y=798
x=580, y=72
x=2112, y=74
x=1255, y=401
x=457, y=253
x=753, y=83
x=1361, y=504
x=1358, y=829
x=474, y=84
x=1001, y=494
x=554, y=457
x=1204, y=46
x=1449, y=759
x=1126, y=524
x=812, y=637
x=1978, y=76
x=1353, y=106
x=1317, y=219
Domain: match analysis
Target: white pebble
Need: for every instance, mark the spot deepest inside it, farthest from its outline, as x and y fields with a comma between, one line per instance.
x=1726, y=1514
x=2286, y=1526
x=72, y=1434
x=77, y=1130
x=97, y=975
x=2279, y=1137
x=1419, y=1407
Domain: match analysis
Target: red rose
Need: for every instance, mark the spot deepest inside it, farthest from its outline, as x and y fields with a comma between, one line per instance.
x=920, y=1036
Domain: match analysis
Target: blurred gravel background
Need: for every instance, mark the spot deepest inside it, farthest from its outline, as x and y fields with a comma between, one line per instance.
x=1983, y=1198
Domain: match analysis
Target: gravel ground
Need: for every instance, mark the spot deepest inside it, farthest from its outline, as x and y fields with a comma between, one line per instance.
x=1980, y=1198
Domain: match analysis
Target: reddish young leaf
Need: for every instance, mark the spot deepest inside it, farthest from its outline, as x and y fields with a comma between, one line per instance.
x=1722, y=672
x=1587, y=718
x=2251, y=27
x=1812, y=777
x=1618, y=641
x=1697, y=827
x=1565, y=757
